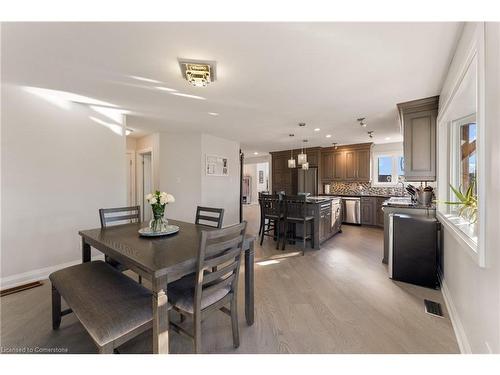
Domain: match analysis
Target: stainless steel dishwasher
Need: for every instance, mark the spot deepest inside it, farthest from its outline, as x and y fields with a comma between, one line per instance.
x=352, y=210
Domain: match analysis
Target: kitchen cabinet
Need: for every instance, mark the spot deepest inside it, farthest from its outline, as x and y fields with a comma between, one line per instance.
x=368, y=210
x=284, y=178
x=339, y=166
x=327, y=166
x=418, y=125
x=379, y=216
x=351, y=163
x=363, y=163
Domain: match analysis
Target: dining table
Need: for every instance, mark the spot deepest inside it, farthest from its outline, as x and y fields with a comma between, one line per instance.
x=162, y=260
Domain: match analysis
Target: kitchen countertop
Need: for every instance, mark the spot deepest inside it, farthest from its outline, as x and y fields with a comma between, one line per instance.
x=359, y=195
x=319, y=199
x=414, y=206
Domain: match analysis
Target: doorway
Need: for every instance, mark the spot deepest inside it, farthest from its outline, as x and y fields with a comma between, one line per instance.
x=145, y=181
x=255, y=179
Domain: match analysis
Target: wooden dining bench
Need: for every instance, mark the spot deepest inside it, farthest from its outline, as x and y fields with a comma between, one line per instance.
x=112, y=307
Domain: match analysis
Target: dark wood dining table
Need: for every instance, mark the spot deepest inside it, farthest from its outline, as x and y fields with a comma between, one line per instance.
x=161, y=260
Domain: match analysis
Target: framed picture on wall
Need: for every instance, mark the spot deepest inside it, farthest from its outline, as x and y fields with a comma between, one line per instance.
x=261, y=177
x=216, y=166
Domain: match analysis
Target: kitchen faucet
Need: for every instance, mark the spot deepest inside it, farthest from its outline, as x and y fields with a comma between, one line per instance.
x=402, y=188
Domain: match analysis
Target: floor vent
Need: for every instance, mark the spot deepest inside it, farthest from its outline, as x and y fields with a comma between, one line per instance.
x=433, y=308
x=20, y=288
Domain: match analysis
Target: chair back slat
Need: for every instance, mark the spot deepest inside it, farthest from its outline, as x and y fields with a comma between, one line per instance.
x=295, y=206
x=224, y=271
x=124, y=214
x=221, y=259
x=220, y=247
x=209, y=215
x=271, y=205
x=226, y=282
x=224, y=245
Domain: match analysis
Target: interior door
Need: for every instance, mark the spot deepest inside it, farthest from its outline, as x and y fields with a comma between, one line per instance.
x=147, y=184
x=130, y=162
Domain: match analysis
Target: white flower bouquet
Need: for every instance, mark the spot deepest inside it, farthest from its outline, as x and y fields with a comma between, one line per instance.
x=158, y=200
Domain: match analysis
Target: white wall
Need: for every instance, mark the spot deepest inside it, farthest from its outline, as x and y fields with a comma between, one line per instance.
x=182, y=173
x=217, y=191
x=58, y=168
x=473, y=292
x=151, y=142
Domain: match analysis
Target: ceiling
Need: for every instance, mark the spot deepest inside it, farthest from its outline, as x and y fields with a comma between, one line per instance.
x=270, y=76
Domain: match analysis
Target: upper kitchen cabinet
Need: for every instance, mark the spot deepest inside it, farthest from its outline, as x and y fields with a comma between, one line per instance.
x=327, y=165
x=346, y=163
x=418, y=125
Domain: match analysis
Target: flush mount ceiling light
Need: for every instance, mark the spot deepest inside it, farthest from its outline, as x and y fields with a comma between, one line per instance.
x=213, y=113
x=362, y=122
x=370, y=134
x=198, y=73
x=317, y=129
x=256, y=153
x=328, y=136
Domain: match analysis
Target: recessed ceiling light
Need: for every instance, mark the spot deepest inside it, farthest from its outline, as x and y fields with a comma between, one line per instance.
x=328, y=136
x=213, y=113
x=144, y=79
x=256, y=153
x=387, y=138
x=317, y=129
x=188, y=96
x=163, y=88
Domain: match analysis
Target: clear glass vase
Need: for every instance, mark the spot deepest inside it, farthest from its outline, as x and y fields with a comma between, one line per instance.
x=158, y=223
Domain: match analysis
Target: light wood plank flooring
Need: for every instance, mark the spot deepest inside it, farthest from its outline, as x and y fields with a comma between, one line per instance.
x=335, y=300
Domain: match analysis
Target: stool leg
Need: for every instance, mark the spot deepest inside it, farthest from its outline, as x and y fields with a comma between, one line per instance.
x=56, y=308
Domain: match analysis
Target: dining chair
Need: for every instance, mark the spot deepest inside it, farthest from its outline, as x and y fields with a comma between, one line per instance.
x=204, y=292
x=262, y=222
x=271, y=206
x=209, y=216
x=295, y=212
x=119, y=215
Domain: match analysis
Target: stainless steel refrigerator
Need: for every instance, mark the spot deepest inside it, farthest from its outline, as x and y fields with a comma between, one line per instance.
x=307, y=181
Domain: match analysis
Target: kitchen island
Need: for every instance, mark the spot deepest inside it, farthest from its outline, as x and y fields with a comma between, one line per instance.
x=327, y=213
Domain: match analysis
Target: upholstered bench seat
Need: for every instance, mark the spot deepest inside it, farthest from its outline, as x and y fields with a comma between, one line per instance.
x=112, y=307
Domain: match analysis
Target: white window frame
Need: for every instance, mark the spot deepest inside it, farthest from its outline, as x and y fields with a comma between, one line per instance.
x=392, y=154
x=473, y=236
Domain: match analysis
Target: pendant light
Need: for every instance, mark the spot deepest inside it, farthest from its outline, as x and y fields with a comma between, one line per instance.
x=302, y=157
x=291, y=161
x=305, y=164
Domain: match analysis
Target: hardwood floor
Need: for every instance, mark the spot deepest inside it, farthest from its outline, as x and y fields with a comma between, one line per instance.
x=335, y=300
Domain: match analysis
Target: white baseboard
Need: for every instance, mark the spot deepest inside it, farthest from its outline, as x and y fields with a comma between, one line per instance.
x=463, y=342
x=37, y=275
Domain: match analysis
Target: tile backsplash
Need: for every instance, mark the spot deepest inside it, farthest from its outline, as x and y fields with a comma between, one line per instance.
x=363, y=188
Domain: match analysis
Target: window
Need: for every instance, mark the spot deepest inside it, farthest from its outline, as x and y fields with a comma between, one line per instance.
x=389, y=168
x=467, y=167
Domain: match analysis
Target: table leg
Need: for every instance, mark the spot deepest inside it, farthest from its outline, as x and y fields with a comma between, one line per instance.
x=160, y=316
x=249, y=284
x=85, y=251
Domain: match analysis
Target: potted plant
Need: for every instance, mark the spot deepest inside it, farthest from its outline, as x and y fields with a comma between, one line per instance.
x=467, y=203
x=158, y=200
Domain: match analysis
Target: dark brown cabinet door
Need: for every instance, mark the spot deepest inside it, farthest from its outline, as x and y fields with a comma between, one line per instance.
x=327, y=167
x=339, y=166
x=363, y=165
x=380, y=214
x=368, y=210
x=350, y=165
